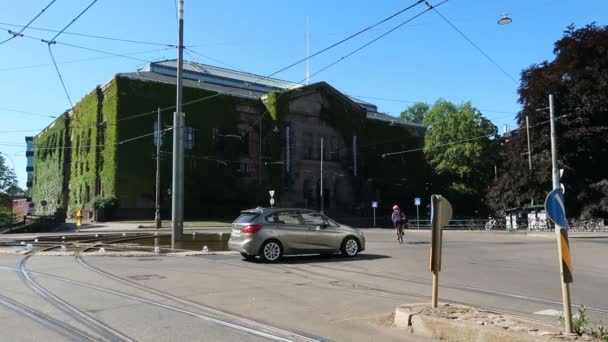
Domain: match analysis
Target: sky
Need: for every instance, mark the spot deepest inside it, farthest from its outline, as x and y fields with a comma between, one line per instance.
x=423, y=60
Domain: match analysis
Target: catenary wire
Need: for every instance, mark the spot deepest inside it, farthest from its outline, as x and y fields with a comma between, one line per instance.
x=33, y=66
x=475, y=46
x=94, y=36
x=51, y=41
x=430, y=7
x=261, y=78
x=23, y=28
x=384, y=155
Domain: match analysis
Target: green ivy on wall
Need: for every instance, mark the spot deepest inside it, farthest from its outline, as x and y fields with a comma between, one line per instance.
x=49, y=153
x=83, y=132
x=211, y=166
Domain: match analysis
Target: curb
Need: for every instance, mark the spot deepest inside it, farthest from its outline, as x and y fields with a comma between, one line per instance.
x=419, y=319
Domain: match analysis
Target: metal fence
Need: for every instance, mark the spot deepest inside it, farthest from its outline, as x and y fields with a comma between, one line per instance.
x=594, y=225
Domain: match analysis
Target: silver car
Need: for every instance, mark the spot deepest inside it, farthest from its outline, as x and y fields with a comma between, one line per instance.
x=271, y=233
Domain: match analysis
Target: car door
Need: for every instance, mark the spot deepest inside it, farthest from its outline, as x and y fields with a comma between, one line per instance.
x=323, y=235
x=289, y=229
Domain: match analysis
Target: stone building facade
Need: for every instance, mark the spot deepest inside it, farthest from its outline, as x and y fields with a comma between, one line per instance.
x=244, y=135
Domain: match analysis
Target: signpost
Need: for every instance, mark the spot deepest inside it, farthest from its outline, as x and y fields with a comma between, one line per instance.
x=375, y=205
x=271, y=193
x=417, y=203
x=31, y=208
x=43, y=203
x=557, y=213
x=441, y=214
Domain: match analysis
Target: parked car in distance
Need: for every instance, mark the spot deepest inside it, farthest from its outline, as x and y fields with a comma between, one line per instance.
x=270, y=233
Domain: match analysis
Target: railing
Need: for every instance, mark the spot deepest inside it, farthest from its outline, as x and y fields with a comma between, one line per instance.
x=593, y=225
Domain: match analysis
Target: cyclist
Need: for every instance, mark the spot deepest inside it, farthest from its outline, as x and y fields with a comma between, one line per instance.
x=491, y=223
x=398, y=218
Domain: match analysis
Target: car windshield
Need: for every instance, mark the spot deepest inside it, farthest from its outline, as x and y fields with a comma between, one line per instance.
x=246, y=217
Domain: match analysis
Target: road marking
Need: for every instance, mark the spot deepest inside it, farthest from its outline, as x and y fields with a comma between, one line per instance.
x=548, y=312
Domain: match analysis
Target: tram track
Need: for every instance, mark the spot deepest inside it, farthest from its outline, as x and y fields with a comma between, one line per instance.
x=71, y=333
x=210, y=314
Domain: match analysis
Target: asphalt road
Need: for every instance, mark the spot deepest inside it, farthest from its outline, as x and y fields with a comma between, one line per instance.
x=224, y=298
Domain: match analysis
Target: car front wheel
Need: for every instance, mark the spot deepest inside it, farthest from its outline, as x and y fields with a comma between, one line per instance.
x=350, y=247
x=271, y=251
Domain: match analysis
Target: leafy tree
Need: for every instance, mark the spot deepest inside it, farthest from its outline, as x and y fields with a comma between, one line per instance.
x=8, y=179
x=416, y=112
x=460, y=148
x=578, y=79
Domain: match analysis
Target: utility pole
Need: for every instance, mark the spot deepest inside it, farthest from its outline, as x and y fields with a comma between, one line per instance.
x=322, y=198
x=158, y=143
x=177, y=200
x=529, y=146
x=307, y=54
x=260, y=171
x=555, y=177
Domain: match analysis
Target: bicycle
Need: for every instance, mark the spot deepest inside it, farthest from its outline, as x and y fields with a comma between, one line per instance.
x=490, y=224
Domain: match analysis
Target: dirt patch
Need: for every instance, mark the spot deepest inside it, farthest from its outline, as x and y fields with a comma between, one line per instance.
x=460, y=320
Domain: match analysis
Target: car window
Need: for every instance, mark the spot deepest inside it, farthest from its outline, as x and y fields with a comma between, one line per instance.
x=246, y=218
x=273, y=218
x=312, y=218
x=284, y=217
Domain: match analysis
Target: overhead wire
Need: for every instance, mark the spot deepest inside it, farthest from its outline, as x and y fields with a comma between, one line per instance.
x=384, y=155
x=430, y=7
x=52, y=41
x=121, y=142
x=23, y=28
x=33, y=66
x=476, y=46
x=261, y=78
x=95, y=36
x=72, y=22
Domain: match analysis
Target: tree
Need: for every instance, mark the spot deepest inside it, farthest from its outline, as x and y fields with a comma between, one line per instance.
x=8, y=179
x=461, y=149
x=415, y=113
x=578, y=79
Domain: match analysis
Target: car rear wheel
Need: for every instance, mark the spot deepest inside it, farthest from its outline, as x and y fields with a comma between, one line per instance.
x=350, y=247
x=271, y=251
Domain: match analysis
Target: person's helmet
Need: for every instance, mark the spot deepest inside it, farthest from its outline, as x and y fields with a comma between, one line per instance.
x=395, y=207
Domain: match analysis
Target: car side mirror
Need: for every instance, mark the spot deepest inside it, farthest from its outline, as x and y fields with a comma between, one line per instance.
x=321, y=226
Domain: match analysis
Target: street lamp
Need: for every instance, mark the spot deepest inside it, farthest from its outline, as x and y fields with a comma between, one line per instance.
x=504, y=19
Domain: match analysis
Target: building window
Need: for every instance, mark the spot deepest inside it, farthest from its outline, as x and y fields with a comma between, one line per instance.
x=188, y=138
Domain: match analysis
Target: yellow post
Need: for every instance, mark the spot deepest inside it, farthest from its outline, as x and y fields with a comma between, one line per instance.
x=78, y=219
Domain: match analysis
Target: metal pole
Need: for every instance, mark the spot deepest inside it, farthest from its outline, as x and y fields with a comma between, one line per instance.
x=374, y=217
x=322, y=199
x=555, y=177
x=529, y=146
x=177, y=201
x=158, y=142
x=435, y=289
x=417, y=217
x=260, y=171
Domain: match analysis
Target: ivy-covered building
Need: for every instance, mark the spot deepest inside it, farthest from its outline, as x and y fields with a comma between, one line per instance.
x=244, y=135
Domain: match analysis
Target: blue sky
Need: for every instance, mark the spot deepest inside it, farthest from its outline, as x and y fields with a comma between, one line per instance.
x=422, y=61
